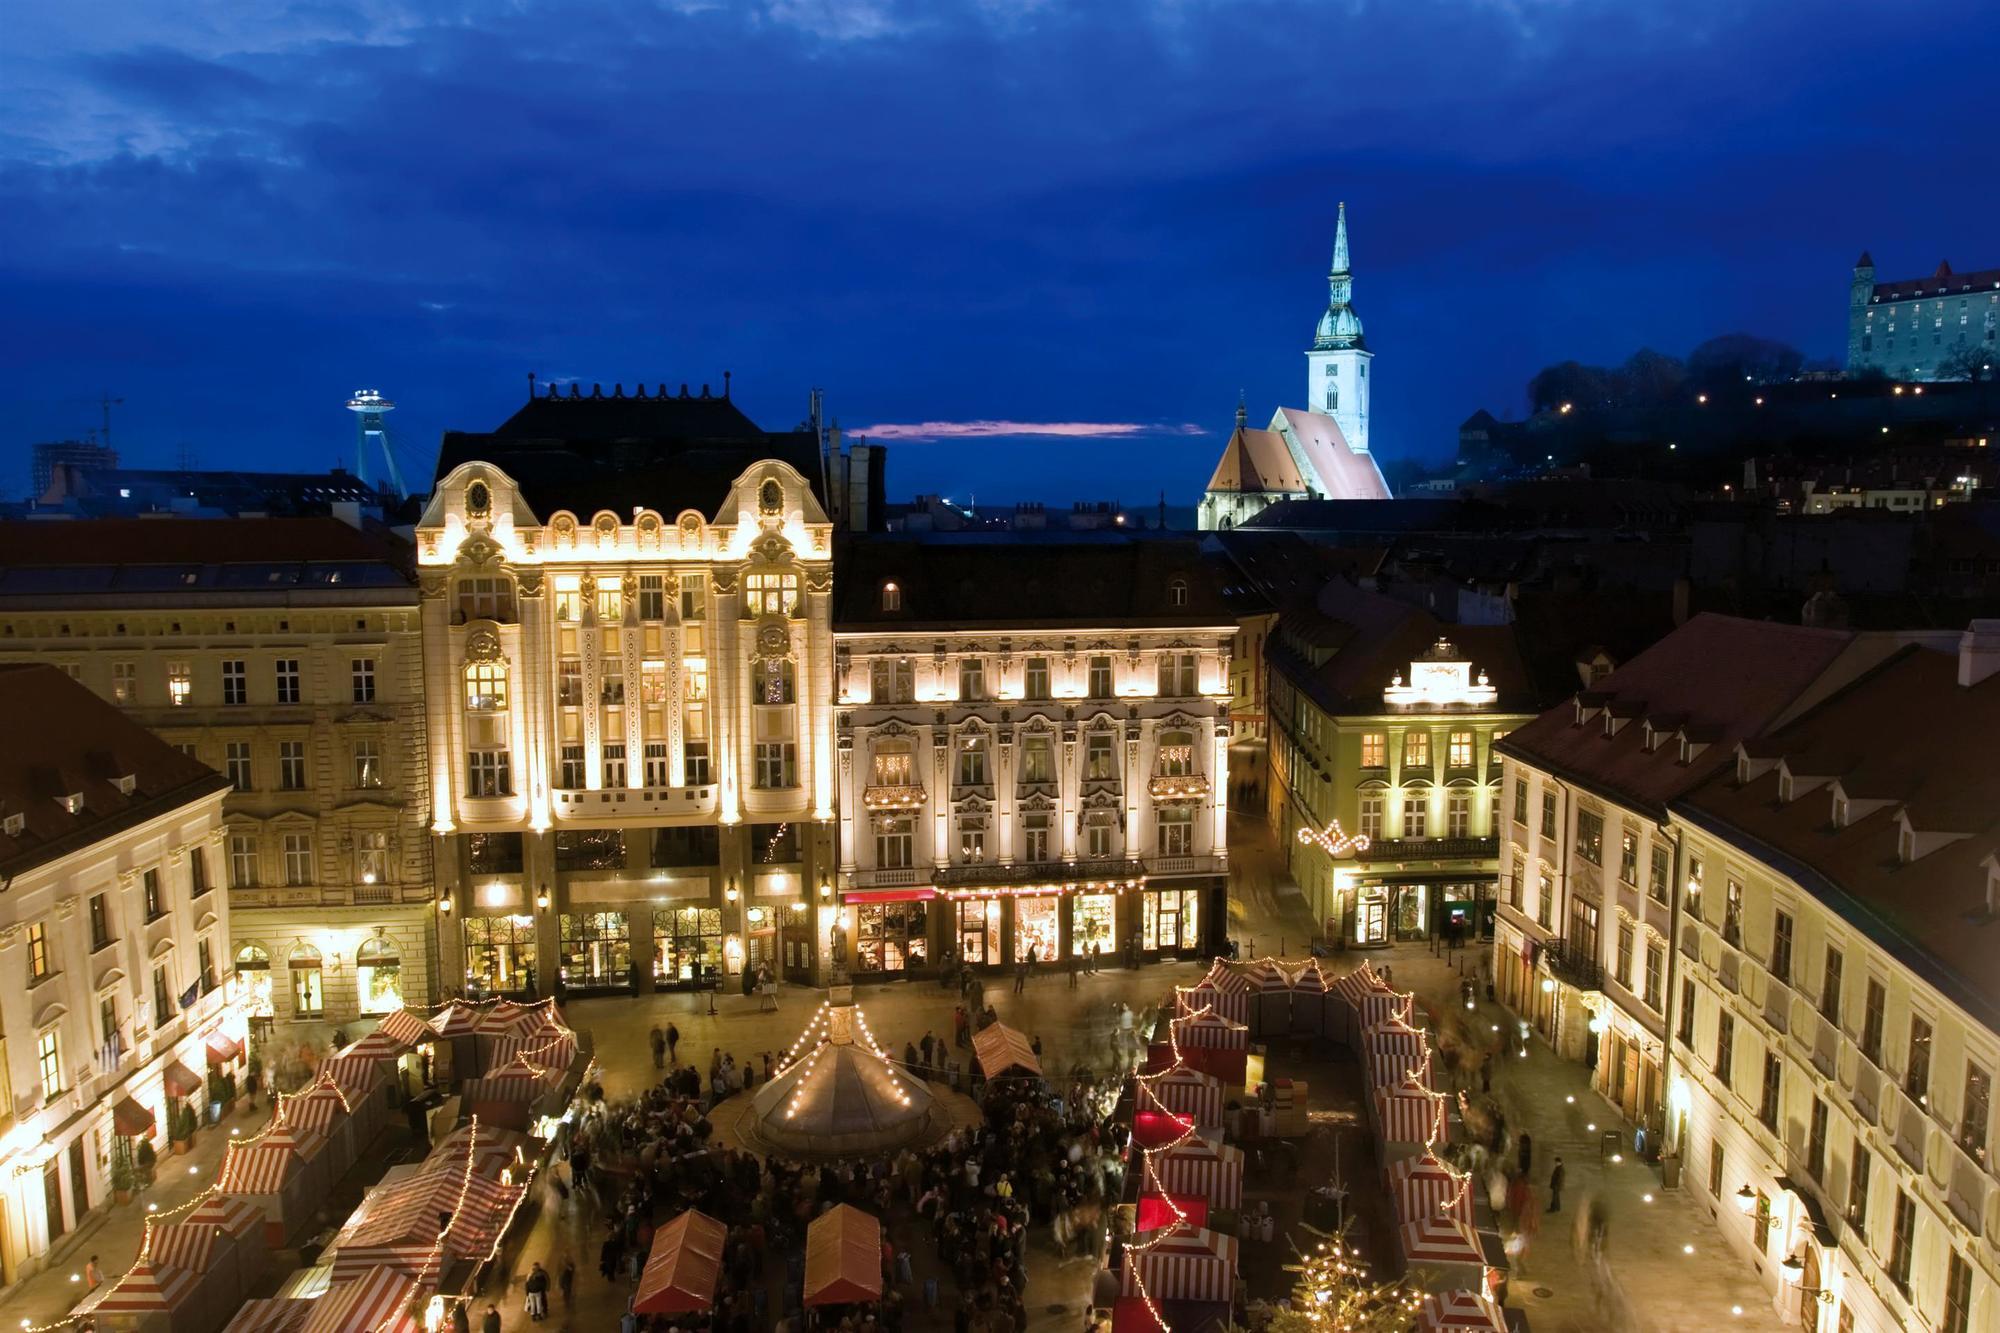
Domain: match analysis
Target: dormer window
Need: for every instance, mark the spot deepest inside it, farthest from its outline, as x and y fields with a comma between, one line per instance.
x=14, y=824
x=1785, y=787
x=125, y=783
x=1906, y=844
x=478, y=500
x=1841, y=814
x=892, y=597
x=771, y=497
x=73, y=802
x=1177, y=592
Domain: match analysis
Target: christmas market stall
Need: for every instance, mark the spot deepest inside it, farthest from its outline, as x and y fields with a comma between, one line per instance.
x=1309, y=996
x=150, y=1298
x=1213, y=1044
x=1196, y=1168
x=1459, y=1312
x=681, y=1271
x=1269, y=983
x=1426, y=1186
x=321, y=1108
x=363, y=1073
x=208, y=1255
x=1343, y=1000
x=1001, y=1050
x=515, y=1096
x=1185, y=1266
x=1223, y=990
x=843, y=1257
x=1445, y=1249
x=285, y=1173
x=1185, y=1092
x=378, y=1301
x=277, y=1315
x=1408, y=1118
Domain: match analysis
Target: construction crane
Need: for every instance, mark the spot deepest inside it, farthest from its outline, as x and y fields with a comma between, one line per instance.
x=369, y=407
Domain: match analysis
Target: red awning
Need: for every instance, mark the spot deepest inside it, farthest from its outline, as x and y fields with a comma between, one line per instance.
x=222, y=1048
x=181, y=1081
x=843, y=1257
x=681, y=1271
x=889, y=896
x=132, y=1120
x=1156, y=1212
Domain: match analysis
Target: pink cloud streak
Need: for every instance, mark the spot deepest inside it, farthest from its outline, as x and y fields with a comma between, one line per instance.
x=974, y=430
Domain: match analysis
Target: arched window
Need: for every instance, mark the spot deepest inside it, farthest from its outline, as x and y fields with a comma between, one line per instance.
x=892, y=597
x=253, y=979
x=1417, y=811
x=1177, y=592
x=378, y=975
x=486, y=687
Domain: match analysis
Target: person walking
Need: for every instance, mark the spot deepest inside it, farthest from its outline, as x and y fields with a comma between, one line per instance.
x=673, y=1042
x=566, y=1281
x=1526, y=1149
x=93, y=1276
x=537, y=1291
x=1021, y=974
x=1556, y=1185
x=659, y=1041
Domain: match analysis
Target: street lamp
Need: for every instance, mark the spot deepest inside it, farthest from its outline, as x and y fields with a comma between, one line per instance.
x=542, y=898
x=1746, y=1199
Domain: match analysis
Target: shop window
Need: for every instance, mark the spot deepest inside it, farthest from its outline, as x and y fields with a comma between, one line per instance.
x=308, y=992
x=378, y=975
x=1036, y=928
x=493, y=853
x=687, y=944
x=1092, y=918
x=1170, y=919
x=774, y=844
x=978, y=931
x=891, y=937
x=590, y=849
x=499, y=954
x=596, y=949
x=253, y=978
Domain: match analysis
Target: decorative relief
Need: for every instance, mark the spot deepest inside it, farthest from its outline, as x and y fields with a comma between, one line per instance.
x=529, y=580
x=477, y=550
x=431, y=583
x=725, y=580
x=770, y=549
x=482, y=645
x=820, y=580
x=66, y=908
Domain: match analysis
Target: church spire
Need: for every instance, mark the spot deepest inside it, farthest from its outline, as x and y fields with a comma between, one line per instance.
x=1340, y=243
x=1242, y=411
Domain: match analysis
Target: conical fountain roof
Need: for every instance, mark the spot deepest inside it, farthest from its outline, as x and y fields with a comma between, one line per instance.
x=840, y=1095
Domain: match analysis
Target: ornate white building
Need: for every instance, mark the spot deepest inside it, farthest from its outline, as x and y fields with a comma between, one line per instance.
x=1033, y=745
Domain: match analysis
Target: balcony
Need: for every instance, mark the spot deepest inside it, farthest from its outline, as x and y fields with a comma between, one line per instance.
x=1185, y=865
x=897, y=878
x=1109, y=873
x=1429, y=849
x=1180, y=787
x=1570, y=963
x=1968, y=1188
x=898, y=796
x=620, y=803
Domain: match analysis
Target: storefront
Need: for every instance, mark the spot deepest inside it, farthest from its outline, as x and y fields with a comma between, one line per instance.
x=1170, y=920
x=253, y=976
x=499, y=955
x=978, y=930
x=595, y=951
x=892, y=937
x=378, y=975
x=1038, y=928
x=687, y=945
x=1371, y=917
x=1093, y=920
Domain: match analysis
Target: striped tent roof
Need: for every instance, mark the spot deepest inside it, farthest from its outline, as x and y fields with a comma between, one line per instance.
x=272, y=1316
x=493, y=1149
x=407, y=1028
x=1182, y=1263
x=518, y=1081
x=357, y=1075
x=508, y=1019
x=1185, y=1092
x=457, y=1019
x=1425, y=1187
x=263, y=1165
x=1380, y=1006
x=182, y=1244
x=377, y=1045
x=1399, y=1045
x=1438, y=1239
x=1211, y=1030
x=1212, y=1171
x=552, y=1049
x=1310, y=979
x=317, y=1109
x=1224, y=977
x=1459, y=1312
x=146, y=1288
x=375, y=1302
x=1361, y=981
x=1407, y=1119
x=238, y=1217
x=397, y=1224
x=1264, y=975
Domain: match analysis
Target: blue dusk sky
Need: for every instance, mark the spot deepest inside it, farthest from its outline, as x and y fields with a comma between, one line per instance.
x=1039, y=245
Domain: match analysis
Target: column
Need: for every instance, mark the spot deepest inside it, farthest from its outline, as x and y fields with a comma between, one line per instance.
x=816, y=694
x=728, y=745
x=590, y=647
x=534, y=695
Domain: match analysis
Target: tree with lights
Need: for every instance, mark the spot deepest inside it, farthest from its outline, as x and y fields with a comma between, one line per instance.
x=1334, y=1294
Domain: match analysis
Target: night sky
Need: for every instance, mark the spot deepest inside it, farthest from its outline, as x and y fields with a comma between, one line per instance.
x=965, y=222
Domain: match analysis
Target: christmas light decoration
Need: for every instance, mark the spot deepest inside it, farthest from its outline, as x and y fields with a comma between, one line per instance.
x=1334, y=840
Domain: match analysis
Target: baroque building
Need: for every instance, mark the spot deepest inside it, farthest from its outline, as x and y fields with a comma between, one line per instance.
x=1939, y=327
x=1319, y=452
x=284, y=654
x=1033, y=751
x=113, y=951
x=629, y=663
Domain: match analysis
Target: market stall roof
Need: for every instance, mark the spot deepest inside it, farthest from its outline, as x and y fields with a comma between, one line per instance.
x=843, y=1257
x=492, y=1149
x=1156, y=1211
x=1426, y=1187
x=1266, y=975
x=1361, y=981
x=1439, y=1239
x=1308, y=978
x=263, y=1165
x=1213, y=1171
x=147, y=1288
x=407, y=1028
x=1181, y=1263
x=315, y=1110
x=680, y=1274
x=1459, y=1312
x=458, y=1018
x=269, y=1316
x=182, y=1244
x=374, y=1302
x=238, y=1217
x=1157, y=1129
x=999, y=1048
x=396, y=1225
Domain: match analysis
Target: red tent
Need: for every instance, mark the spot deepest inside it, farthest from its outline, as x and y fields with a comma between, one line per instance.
x=680, y=1273
x=1185, y=1092
x=1181, y=1263
x=1197, y=1167
x=1424, y=1187
x=1460, y=1312
x=1157, y=1129
x=1156, y=1211
x=843, y=1257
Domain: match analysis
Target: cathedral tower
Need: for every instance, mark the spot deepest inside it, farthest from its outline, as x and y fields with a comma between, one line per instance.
x=1337, y=361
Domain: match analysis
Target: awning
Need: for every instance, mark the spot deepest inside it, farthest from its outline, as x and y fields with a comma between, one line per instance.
x=680, y=1273
x=999, y=1048
x=843, y=1257
x=222, y=1048
x=181, y=1081
x=131, y=1120
x=889, y=896
x=1156, y=1212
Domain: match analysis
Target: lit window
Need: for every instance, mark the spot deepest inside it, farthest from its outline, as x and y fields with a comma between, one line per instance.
x=486, y=687
x=1374, y=750
x=892, y=597
x=180, y=683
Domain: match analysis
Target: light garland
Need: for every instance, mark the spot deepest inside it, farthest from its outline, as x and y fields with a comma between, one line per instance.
x=1334, y=840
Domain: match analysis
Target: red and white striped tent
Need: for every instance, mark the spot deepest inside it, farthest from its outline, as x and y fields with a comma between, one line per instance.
x=269, y=1316
x=1438, y=1240
x=1309, y=992
x=512, y=1096
x=1460, y=1312
x=1270, y=985
x=363, y=1073
x=376, y=1302
x=1159, y=1211
x=284, y=1172
x=152, y=1298
x=1407, y=1115
x=1381, y=1006
x=1223, y=990
x=458, y=1018
x=241, y=1220
x=1425, y=1187
x=396, y=1225
x=1214, y=1045
x=508, y=1030
x=1186, y=1092
x=207, y=1254
x=1211, y=1171
x=1391, y=1049
x=457, y=1050
x=1182, y=1263
x=408, y=1029
x=321, y=1108
x=493, y=1151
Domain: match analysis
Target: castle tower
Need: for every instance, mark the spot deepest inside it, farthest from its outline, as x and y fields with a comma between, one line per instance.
x=1337, y=361
x=1860, y=295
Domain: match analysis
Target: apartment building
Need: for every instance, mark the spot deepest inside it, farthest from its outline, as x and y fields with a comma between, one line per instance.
x=629, y=657
x=1032, y=747
x=113, y=951
x=284, y=654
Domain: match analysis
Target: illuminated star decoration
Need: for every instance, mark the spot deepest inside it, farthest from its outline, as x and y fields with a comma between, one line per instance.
x=1334, y=840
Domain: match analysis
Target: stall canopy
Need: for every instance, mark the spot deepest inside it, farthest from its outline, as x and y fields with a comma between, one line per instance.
x=1185, y=1092
x=396, y=1225
x=315, y=1110
x=1212, y=1171
x=1425, y=1187
x=1459, y=1312
x=1157, y=1211
x=376, y=1302
x=148, y=1289
x=457, y=1019
x=843, y=1257
x=1181, y=1264
x=491, y=1148
x=1157, y=1129
x=680, y=1273
x=1438, y=1239
x=999, y=1048
x=265, y=1165
x=272, y=1316
x=407, y=1028
x=132, y=1120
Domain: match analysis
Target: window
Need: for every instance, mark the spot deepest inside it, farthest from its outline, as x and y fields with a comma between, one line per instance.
x=371, y=856
x=1622, y=965
x=1829, y=993
x=1034, y=839
x=656, y=763
x=1036, y=678
x=1662, y=871
x=611, y=682
x=776, y=765
x=48, y=1058
x=1177, y=592
x=652, y=687
x=972, y=770
x=1715, y=1163
x=1978, y=1106
x=486, y=687
x=124, y=682
x=894, y=842
x=1099, y=684
x=242, y=861
x=1416, y=812
x=38, y=953
x=1176, y=827
x=775, y=684
x=1917, y=1081
x=1416, y=749
x=1514, y=887
x=235, y=684
x=236, y=763
x=163, y=997
x=972, y=839
x=156, y=904
x=1100, y=757
x=1458, y=814
x=570, y=775
x=298, y=859
x=287, y=671
x=1781, y=947
x=1590, y=836
x=893, y=764
x=1175, y=758
x=367, y=755
x=113, y=1041
x=1656, y=973
x=204, y=953
x=489, y=599
x=308, y=991
x=610, y=600
x=1038, y=759
x=291, y=765
x=1374, y=749
x=1857, y=1191
x=590, y=849
x=100, y=922
x=1545, y=899
x=1372, y=805
x=180, y=683
x=652, y=597
x=378, y=975
x=1732, y=912
x=1872, y=1020
x=361, y=678
x=771, y=594
x=972, y=679
x=1628, y=856
x=569, y=682
x=694, y=763
x=489, y=773
x=1902, y=1234
x=614, y=766
x=1548, y=814
x=1725, y=1047
x=893, y=680
x=1957, y=1295
x=694, y=597
x=1521, y=802
x=1460, y=755
x=1097, y=836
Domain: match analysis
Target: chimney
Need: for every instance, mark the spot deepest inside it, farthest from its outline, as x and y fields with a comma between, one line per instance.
x=1978, y=652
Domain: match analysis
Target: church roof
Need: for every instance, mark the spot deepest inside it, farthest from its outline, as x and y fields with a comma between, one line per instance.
x=1342, y=473
x=1256, y=460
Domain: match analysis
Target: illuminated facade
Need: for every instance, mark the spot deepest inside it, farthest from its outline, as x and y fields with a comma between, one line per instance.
x=283, y=653
x=629, y=660
x=114, y=932
x=1033, y=752
x=1940, y=327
